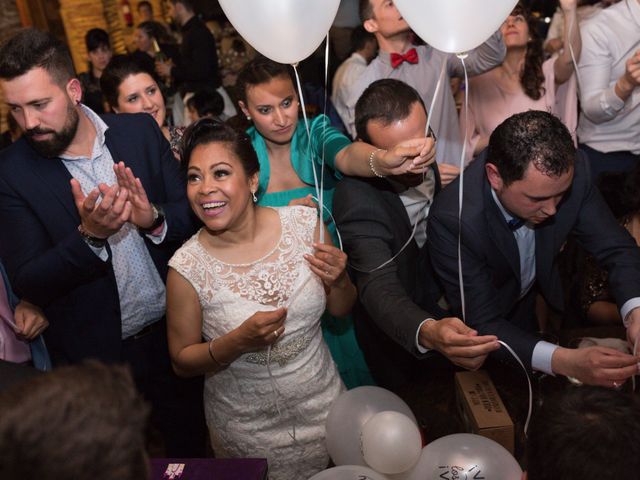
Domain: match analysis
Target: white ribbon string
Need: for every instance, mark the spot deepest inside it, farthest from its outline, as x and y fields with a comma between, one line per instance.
x=310, y=153
x=526, y=424
x=462, y=56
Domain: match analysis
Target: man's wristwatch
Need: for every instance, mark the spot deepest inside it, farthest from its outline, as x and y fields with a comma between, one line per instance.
x=158, y=219
x=95, y=242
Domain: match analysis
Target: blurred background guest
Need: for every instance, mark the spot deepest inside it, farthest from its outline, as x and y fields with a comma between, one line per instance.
x=609, y=79
x=363, y=49
x=205, y=103
x=84, y=422
x=99, y=53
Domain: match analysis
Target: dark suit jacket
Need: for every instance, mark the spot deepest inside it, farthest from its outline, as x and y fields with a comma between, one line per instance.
x=490, y=258
x=48, y=262
x=394, y=300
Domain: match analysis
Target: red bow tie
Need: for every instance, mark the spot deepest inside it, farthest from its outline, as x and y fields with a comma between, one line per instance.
x=411, y=56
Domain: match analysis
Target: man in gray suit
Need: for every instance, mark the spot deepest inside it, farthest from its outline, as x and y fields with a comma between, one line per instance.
x=522, y=197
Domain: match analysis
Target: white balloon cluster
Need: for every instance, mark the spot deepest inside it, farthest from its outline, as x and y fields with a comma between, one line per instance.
x=372, y=435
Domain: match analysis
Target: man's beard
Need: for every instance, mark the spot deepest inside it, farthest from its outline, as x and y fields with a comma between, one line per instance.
x=61, y=140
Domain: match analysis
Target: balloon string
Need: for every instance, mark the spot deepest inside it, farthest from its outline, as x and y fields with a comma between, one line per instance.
x=462, y=56
x=324, y=129
x=573, y=57
x=526, y=424
x=333, y=220
x=306, y=125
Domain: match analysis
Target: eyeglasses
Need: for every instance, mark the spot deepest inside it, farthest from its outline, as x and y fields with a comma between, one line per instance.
x=432, y=134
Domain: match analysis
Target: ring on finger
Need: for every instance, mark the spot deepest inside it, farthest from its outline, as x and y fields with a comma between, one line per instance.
x=276, y=334
x=616, y=384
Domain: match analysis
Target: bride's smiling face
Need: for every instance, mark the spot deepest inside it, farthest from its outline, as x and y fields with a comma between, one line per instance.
x=218, y=188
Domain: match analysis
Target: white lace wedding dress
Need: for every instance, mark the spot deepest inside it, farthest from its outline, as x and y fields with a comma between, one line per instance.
x=273, y=403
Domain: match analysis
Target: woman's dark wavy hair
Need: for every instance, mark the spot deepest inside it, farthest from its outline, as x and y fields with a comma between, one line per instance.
x=261, y=70
x=210, y=130
x=531, y=78
x=119, y=68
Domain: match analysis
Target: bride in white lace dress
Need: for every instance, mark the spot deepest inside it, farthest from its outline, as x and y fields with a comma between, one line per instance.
x=253, y=283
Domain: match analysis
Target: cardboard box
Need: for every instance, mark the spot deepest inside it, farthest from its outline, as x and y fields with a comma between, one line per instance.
x=481, y=408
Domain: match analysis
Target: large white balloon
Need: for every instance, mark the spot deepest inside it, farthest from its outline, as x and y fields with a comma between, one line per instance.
x=463, y=455
x=391, y=442
x=348, y=414
x=455, y=26
x=348, y=472
x=286, y=31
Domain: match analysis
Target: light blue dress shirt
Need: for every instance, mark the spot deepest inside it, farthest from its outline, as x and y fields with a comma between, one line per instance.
x=140, y=288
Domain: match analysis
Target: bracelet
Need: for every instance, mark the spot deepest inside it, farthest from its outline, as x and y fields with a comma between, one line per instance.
x=222, y=364
x=371, y=157
x=92, y=241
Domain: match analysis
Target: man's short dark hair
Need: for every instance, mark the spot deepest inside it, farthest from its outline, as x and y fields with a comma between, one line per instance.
x=31, y=48
x=531, y=137
x=585, y=432
x=206, y=102
x=96, y=38
x=385, y=101
x=365, y=9
x=84, y=422
x=360, y=37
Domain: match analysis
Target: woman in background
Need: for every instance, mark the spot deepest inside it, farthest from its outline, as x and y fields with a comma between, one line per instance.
x=524, y=81
x=130, y=88
x=287, y=164
x=99, y=53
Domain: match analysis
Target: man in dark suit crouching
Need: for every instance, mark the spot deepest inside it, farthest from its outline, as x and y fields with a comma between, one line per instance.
x=398, y=321
x=522, y=197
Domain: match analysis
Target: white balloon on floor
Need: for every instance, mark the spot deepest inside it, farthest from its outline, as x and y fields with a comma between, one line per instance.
x=391, y=442
x=286, y=31
x=350, y=412
x=463, y=455
x=455, y=26
x=348, y=472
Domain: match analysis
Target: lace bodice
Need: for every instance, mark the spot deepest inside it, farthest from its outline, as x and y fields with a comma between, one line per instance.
x=253, y=405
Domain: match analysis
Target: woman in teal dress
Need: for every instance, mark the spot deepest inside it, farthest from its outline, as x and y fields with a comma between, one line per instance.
x=287, y=163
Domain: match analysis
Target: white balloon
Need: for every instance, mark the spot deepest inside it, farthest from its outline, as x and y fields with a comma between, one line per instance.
x=463, y=455
x=348, y=472
x=348, y=414
x=391, y=442
x=286, y=31
x=455, y=26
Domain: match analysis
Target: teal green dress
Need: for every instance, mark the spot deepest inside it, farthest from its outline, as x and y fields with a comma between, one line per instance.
x=338, y=332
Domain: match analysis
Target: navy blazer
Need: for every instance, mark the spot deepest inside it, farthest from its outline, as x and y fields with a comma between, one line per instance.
x=490, y=258
x=394, y=300
x=49, y=263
